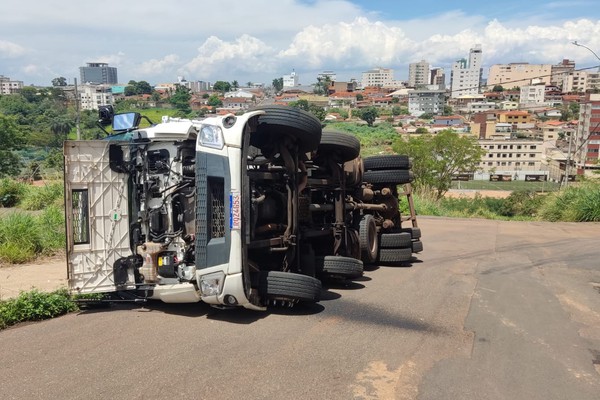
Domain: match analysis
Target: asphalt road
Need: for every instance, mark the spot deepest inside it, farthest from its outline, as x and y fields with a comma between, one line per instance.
x=492, y=310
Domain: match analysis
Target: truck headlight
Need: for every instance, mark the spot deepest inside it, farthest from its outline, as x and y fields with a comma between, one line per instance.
x=212, y=284
x=211, y=136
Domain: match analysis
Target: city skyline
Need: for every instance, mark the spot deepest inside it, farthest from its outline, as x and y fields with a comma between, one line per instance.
x=258, y=41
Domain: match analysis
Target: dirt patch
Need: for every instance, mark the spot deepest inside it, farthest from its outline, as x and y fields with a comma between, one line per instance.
x=471, y=193
x=45, y=274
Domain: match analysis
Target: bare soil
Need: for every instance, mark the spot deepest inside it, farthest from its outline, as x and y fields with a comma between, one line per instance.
x=45, y=274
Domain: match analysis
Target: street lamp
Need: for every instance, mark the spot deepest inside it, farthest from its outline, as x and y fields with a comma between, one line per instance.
x=585, y=47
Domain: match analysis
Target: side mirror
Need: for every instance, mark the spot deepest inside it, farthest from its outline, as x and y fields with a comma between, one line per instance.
x=126, y=121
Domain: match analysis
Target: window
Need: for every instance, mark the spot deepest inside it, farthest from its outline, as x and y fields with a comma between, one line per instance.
x=532, y=147
x=80, y=223
x=531, y=155
x=531, y=164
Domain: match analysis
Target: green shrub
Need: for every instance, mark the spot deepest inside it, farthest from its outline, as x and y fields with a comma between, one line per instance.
x=521, y=203
x=39, y=197
x=11, y=192
x=34, y=306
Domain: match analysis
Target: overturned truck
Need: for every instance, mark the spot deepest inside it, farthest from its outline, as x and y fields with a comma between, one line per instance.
x=250, y=210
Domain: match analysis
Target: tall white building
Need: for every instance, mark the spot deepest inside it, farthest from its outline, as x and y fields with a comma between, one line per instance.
x=291, y=80
x=465, y=79
x=418, y=73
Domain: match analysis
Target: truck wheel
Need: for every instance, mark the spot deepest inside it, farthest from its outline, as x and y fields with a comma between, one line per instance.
x=369, y=243
x=415, y=232
x=339, y=146
x=417, y=246
x=394, y=161
x=394, y=256
x=280, y=121
x=388, y=176
x=342, y=267
x=395, y=240
x=278, y=285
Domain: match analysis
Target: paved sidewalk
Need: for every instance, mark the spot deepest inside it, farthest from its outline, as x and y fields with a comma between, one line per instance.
x=45, y=274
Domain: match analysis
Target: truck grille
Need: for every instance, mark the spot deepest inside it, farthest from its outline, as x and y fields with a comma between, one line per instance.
x=216, y=201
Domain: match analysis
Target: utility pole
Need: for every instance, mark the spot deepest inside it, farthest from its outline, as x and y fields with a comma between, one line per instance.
x=568, y=166
x=77, y=109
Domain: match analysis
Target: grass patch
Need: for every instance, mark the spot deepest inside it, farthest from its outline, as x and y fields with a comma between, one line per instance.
x=24, y=236
x=509, y=186
x=576, y=204
x=374, y=140
x=40, y=197
x=35, y=306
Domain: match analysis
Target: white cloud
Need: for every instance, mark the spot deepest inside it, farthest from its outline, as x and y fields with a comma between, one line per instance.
x=155, y=67
x=10, y=50
x=222, y=59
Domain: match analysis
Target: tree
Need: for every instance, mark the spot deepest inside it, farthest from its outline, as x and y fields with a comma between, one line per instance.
x=448, y=110
x=421, y=130
x=214, y=101
x=60, y=127
x=181, y=100
x=436, y=158
x=235, y=85
x=322, y=86
x=222, y=86
x=301, y=104
x=498, y=88
x=396, y=110
x=60, y=81
x=359, y=97
x=278, y=84
x=369, y=115
x=11, y=139
x=426, y=116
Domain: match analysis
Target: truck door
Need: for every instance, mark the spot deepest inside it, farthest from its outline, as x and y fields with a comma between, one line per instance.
x=96, y=215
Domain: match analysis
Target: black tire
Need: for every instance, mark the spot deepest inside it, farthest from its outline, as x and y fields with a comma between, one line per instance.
x=396, y=177
x=340, y=146
x=342, y=267
x=278, y=285
x=417, y=246
x=415, y=232
x=394, y=256
x=368, y=240
x=301, y=126
x=395, y=240
x=394, y=161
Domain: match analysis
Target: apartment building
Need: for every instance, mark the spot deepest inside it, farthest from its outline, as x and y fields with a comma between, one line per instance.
x=465, y=79
x=437, y=76
x=98, y=73
x=418, y=74
x=93, y=96
x=518, y=74
x=8, y=86
x=581, y=81
x=587, y=138
x=521, y=74
x=513, y=159
x=378, y=77
x=532, y=94
x=426, y=101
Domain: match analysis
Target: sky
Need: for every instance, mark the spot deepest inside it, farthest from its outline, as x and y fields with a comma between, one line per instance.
x=260, y=40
